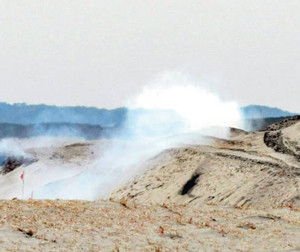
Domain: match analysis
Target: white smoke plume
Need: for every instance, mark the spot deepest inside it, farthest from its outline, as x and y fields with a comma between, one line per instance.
x=166, y=113
x=189, y=106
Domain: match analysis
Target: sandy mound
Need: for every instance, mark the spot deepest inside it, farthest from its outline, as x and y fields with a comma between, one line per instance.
x=255, y=169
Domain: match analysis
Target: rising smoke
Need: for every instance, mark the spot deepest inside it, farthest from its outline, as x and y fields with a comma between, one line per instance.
x=167, y=113
x=185, y=107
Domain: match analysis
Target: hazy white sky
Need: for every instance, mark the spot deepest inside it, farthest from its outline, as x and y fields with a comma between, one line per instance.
x=97, y=53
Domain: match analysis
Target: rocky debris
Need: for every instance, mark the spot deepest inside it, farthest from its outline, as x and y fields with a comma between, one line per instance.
x=274, y=140
x=12, y=163
x=275, y=137
x=287, y=122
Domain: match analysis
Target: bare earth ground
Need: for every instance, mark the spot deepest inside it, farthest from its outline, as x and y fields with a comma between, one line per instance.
x=108, y=226
x=241, y=194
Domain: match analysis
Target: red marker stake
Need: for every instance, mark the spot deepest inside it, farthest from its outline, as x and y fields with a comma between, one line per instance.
x=22, y=177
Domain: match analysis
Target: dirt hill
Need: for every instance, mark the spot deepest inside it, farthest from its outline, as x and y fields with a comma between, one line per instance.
x=256, y=169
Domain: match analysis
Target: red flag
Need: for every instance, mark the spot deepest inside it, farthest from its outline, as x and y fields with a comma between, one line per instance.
x=22, y=175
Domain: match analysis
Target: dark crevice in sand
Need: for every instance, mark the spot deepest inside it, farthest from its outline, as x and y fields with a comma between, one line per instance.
x=189, y=185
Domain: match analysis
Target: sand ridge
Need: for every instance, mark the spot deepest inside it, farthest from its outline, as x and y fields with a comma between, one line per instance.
x=242, y=171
